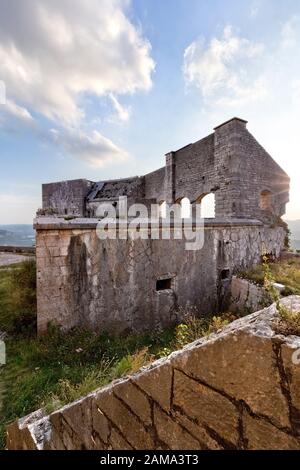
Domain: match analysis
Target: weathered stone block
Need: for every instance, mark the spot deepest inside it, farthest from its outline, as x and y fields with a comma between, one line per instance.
x=232, y=363
x=210, y=409
x=125, y=421
x=207, y=442
x=290, y=356
x=157, y=383
x=117, y=442
x=171, y=433
x=100, y=424
x=261, y=435
x=135, y=399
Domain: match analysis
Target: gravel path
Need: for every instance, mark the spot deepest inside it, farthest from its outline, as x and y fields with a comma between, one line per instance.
x=11, y=258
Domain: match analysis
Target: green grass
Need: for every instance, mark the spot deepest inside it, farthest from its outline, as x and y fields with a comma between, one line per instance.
x=59, y=367
x=283, y=272
x=288, y=274
x=18, y=298
x=288, y=323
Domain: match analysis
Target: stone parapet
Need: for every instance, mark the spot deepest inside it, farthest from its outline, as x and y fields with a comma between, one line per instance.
x=235, y=389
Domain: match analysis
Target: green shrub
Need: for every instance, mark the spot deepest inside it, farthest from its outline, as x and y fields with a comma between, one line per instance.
x=283, y=272
x=23, y=286
x=289, y=323
x=18, y=299
x=194, y=327
x=216, y=324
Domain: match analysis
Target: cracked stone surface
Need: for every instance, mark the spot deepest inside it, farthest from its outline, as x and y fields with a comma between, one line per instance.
x=111, y=284
x=235, y=389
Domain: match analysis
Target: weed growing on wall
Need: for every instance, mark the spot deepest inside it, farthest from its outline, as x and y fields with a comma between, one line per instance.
x=289, y=322
x=284, y=272
x=194, y=327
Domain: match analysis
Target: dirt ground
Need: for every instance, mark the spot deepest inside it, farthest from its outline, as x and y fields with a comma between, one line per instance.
x=11, y=258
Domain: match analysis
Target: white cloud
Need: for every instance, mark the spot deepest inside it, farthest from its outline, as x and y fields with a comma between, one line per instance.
x=220, y=69
x=15, y=118
x=2, y=92
x=54, y=54
x=93, y=148
x=53, y=51
x=289, y=32
x=123, y=113
x=18, y=112
x=274, y=118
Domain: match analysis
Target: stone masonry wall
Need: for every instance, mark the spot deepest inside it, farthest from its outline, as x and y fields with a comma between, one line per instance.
x=111, y=284
x=229, y=163
x=66, y=197
x=255, y=172
x=195, y=172
x=236, y=389
x=154, y=185
x=246, y=296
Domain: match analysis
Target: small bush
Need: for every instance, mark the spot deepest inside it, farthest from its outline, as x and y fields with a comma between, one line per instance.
x=194, y=327
x=289, y=322
x=189, y=330
x=284, y=272
x=255, y=275
x=289, y=290
x=216, y=324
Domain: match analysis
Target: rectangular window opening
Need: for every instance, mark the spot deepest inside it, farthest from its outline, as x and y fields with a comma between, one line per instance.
x=164, y=284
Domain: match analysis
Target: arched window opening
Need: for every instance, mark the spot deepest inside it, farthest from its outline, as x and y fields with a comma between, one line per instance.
x=207, y=203
x=185, y=207
x=265, y=200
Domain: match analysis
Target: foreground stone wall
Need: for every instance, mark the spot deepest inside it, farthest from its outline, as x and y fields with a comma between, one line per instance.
x=236, y=389
x=112, y=284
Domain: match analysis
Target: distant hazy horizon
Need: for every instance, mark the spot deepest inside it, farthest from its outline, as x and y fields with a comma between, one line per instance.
x=24, y=234
x=17, y=235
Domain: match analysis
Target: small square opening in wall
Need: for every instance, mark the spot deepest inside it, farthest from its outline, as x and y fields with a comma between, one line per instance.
x=164, y=284
x=225, y=274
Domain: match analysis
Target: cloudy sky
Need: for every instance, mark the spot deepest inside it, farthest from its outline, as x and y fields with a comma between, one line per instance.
x=104, y=88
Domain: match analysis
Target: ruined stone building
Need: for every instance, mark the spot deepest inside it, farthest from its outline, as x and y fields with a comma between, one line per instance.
x=121, y=285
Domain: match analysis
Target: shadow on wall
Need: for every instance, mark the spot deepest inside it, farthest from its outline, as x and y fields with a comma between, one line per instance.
x=80, y=289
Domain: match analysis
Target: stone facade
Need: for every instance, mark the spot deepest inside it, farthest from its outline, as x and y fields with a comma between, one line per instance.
x=66, y=197
x=112, y=284
x=229, y=163
x=236, y=389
